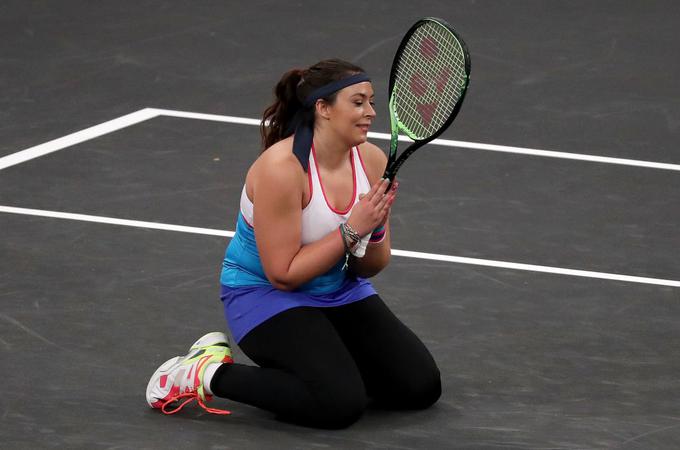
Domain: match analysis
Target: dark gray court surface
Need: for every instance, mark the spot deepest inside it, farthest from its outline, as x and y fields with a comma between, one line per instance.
x=529, y=359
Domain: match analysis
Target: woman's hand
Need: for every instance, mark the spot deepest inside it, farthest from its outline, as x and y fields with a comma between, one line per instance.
x=373, y=208
x=393, y=191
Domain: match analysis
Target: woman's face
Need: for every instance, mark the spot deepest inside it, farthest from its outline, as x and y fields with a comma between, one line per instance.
x=351, y=114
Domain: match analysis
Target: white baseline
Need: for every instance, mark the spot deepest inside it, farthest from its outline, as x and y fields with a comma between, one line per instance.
x=395, y=252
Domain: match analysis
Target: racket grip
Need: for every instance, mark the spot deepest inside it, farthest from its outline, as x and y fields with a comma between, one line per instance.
x=360, y=250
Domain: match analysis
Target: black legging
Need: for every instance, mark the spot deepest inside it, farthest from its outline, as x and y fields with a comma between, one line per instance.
x=320, y=366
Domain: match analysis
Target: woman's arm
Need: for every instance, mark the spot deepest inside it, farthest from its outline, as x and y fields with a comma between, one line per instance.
x=277, y=197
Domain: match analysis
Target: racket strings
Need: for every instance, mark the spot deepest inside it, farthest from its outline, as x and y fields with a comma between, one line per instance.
x=430, y=80
x=429, y=110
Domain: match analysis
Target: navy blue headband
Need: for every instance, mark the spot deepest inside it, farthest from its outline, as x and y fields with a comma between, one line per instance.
x=304, y=131
x=334, y=86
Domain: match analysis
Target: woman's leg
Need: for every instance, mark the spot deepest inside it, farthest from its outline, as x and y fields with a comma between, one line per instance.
x=397, y=369
x=306, y=374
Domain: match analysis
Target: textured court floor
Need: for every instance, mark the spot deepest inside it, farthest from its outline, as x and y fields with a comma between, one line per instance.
x=561, y=329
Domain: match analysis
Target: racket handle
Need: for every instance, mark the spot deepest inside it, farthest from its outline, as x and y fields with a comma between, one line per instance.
x=360, y=249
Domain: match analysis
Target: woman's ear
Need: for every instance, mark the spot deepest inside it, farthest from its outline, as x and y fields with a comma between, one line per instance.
x=323, y=109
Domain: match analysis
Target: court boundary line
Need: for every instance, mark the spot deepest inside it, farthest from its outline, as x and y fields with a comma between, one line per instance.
x=77, y=137
x=452, y=143
x=150, y=113
x=395, y=252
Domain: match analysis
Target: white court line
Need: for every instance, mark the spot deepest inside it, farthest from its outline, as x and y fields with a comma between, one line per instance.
x=395, y=252
x=535, y=268
x=202, y=116
x=114, y=221
x=449, y=143
x=77, y=137
x=150, y=113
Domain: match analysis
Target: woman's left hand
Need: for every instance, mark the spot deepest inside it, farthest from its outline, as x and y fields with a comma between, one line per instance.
x=392, y=195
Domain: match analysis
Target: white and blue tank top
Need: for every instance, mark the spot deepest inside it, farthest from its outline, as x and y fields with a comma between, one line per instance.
x=248, y=296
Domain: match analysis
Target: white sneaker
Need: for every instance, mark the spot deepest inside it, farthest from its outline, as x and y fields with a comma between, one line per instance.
x=182, y=376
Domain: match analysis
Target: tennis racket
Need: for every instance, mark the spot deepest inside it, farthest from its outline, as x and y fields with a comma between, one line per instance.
x=428, y=81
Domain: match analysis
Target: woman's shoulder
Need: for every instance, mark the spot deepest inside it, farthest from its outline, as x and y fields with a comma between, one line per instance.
x=277, y=163
x=374, y=160
x=279, y=153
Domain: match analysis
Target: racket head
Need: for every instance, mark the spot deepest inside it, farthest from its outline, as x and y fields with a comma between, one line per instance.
x=429, y=79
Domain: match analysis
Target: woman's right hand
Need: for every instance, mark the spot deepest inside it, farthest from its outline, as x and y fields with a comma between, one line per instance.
x=372, y=208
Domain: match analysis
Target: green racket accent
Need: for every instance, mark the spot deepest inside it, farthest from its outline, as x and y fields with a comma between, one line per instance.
x=394, y=130
x=429, y=80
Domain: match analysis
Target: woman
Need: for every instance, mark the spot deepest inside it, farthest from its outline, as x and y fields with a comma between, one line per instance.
x=295, y=297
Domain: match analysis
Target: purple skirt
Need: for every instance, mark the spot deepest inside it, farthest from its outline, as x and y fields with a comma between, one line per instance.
x=246, y=307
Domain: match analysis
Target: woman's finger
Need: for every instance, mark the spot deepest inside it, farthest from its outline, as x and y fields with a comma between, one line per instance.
x=384, y=202
x=371, y=193
x=380, y=192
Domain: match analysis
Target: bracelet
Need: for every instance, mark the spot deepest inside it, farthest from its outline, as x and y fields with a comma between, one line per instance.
x=344, y=238
x=344, y=244
x=349, y=234
x=353, y=236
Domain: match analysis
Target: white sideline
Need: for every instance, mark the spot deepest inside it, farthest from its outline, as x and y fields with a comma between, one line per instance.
x=450, y=143
x=77, y=137
x=150, y=113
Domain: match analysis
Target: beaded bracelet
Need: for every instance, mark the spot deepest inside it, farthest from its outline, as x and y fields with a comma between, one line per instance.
x=344, y=239
x=344, y=244
x=349, y=232
x=348, y=239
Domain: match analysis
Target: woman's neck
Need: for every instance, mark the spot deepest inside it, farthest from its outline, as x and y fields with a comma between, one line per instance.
x=330, y=152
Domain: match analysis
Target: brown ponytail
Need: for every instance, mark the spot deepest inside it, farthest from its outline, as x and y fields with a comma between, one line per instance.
x=278, y=116
x=294, y=86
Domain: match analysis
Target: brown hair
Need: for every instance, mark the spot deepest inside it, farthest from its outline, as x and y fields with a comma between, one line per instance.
x=292, y=90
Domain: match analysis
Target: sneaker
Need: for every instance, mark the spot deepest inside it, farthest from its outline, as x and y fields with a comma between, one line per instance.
x=182, y=376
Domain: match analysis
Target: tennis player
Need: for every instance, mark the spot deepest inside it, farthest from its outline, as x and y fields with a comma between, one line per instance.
x=296, y=299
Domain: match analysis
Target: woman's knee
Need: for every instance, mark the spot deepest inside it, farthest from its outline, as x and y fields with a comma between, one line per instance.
x=425, y=391
x=342, y=408
x=417, y=390
x=423, y=387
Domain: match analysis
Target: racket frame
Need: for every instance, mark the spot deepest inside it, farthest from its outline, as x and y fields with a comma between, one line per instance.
x=394, y=163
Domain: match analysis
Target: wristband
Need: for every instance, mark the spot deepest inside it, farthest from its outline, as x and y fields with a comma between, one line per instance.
x=378, y=235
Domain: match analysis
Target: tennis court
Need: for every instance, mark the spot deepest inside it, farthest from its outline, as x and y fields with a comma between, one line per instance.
x=535, y=243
